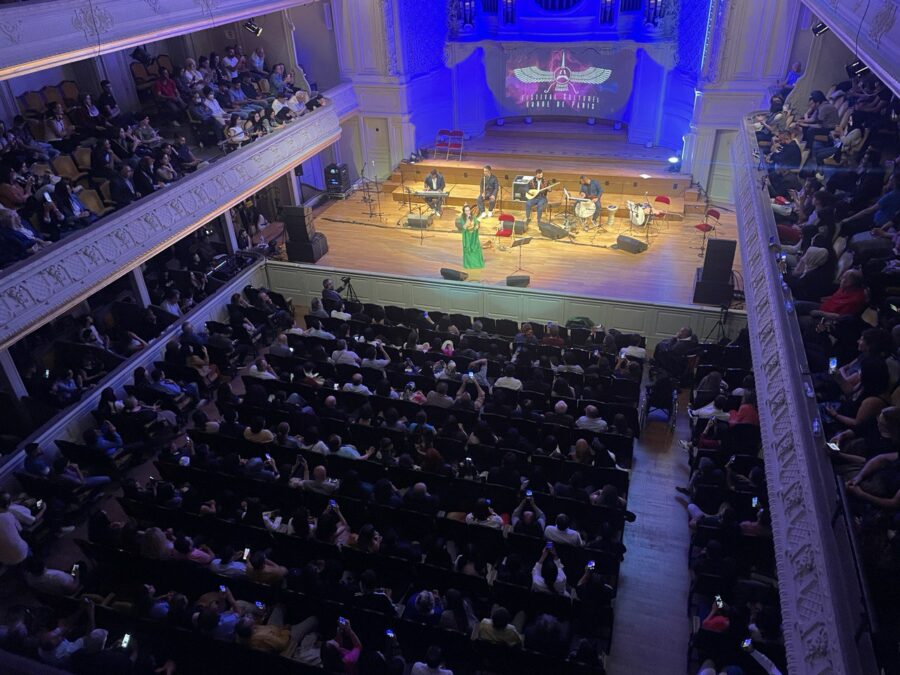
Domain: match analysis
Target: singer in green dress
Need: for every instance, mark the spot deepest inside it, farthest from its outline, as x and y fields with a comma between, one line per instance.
x=473, y=257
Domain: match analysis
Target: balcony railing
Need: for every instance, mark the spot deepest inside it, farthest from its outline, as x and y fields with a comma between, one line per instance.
x=39, y=35
x=822, y=596
x=49, y=283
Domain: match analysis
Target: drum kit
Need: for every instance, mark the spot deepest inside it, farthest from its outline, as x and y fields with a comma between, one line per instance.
x=581, y=216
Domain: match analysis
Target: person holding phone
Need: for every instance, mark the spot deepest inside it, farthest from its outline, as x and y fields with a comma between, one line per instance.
x=548, y=575
x=528, y=518
x=342, y=652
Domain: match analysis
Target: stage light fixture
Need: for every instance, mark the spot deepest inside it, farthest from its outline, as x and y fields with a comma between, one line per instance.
x=856, y=68
x=674, y=164
x=645, y=176
x=253, y=27
x=820, y=28
x=674, y=159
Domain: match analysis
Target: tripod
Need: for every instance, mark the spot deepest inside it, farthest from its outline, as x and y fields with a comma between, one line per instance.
x=367, y=188
x=351, y=295
x=719, y=327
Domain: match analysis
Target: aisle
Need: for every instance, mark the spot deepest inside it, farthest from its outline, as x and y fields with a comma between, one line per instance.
x=651, y=628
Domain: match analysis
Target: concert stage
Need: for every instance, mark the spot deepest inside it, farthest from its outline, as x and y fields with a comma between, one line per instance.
x=586, y=264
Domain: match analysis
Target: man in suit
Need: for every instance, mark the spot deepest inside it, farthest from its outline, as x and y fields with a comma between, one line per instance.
x=490, y=187
x=590, y=189
x=122, y=189
x=435, y=181
x=538, y=202
x=144, y=180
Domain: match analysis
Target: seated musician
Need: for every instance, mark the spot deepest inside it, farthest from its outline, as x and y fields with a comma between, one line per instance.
x=590, y=188
x=490, y=186
x=539, y=201
x=434, y=182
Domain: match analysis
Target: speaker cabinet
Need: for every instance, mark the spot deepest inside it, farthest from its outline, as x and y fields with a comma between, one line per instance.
x=520, y=187
x=419, y=221
x=307, y=251
x=453, y=275
x=520, y=227
x=337, y=179
x=298, y=222
x=519, y=280
x=552, y=231
x=716, y=293
x=630, y=244
x=718, y=261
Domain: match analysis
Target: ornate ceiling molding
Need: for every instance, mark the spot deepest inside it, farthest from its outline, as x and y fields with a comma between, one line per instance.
x=48, y=284
x=63, y=31
x=819, y=597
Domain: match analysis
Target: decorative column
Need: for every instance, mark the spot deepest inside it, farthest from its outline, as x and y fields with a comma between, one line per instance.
x=228, y=232
x=10, y=375
x=139, y=286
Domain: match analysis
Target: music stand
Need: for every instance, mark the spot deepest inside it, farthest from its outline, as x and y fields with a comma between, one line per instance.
x=520, y=243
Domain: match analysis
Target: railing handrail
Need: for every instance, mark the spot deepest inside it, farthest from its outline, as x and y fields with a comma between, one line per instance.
x=812, y=556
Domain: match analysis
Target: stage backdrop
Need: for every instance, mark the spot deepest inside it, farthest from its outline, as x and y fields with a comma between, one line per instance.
x=589, y=81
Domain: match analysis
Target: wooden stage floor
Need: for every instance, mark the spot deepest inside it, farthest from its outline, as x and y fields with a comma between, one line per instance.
x=662, y=274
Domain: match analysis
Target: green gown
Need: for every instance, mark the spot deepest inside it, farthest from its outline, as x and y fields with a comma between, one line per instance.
x=473, y=257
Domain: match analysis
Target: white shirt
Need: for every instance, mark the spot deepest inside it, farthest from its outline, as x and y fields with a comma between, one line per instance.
x=567, y=536
x=358, y=388
x=54, y=582
x=13, y=549
x=230, y=63
x=591, y=423
x=420, y=668
x=381, y=364
x=538, y=583
x=635, y=352
x=213, y=105
x=345, y=356
x=261, y=374
x=508, y=383
x=172, y=308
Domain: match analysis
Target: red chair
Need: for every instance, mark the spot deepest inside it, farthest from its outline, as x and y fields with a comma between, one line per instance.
x=707, y=228
x=456, y=144
x=442, y=143
x=507, y=225
x=658, y=210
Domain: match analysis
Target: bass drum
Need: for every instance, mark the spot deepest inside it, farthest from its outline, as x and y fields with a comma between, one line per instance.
x=586, y=209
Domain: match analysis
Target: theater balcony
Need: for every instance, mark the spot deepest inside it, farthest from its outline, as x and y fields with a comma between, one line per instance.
x=40, y=35
x=48, y=283
x=826, y=612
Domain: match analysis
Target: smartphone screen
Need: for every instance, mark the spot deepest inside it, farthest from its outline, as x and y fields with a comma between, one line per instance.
x=40, y=504
x=833, y=446
x=719, y=602
x=832, y=365
x=126, y=639
x=74, y=570
x=246, y=553
x=222, y=589
x=754, y=502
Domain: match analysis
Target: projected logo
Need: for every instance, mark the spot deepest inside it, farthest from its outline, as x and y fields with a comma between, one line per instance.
x=574, y=85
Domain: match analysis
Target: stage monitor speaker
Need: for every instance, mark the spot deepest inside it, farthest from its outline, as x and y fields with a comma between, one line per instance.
x=520, y=187
x=552, y=231
x=337, y=179
x=419, y=221
x=630, y=244
x=307, y=251
x=519, y=280
x=716, y=293
x=718, y=261
x=453, y=275
x=520, y=227
x=298, y=221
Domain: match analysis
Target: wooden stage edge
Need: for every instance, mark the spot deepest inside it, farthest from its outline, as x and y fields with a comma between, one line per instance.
x=589, y=266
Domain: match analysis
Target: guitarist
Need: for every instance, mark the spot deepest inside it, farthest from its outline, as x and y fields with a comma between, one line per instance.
x=538, y=201
x=590, y=188
x=434, y=181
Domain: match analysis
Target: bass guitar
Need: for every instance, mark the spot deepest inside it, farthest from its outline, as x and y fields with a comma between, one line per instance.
x=531, y=194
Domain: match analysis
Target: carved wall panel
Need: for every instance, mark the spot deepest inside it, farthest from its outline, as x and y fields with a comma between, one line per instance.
x=814, y=582
x=80, y=265
x=38, y=35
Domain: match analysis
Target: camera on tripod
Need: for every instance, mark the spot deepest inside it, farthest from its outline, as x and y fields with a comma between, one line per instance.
x=345, y=280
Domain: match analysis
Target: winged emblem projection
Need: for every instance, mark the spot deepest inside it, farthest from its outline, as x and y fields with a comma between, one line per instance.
x=563, y=77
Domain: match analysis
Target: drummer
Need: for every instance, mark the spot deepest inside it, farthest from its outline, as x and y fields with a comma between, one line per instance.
x=590, y=189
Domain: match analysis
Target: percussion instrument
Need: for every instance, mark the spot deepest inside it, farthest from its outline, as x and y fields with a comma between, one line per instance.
x=637, y=213
x=611, y=215
x=585, y=208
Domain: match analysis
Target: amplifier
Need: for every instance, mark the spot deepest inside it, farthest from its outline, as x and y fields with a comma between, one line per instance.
x=520, y=187
x=298, y=221
x=307, y=251
x=419, y=221
x=337, y=179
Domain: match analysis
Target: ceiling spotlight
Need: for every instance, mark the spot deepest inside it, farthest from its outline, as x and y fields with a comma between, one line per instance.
x=674, y=164
x=820, y=28
x=253, y=27
x=674, y=159
x=645, y=176
x=856, y=68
